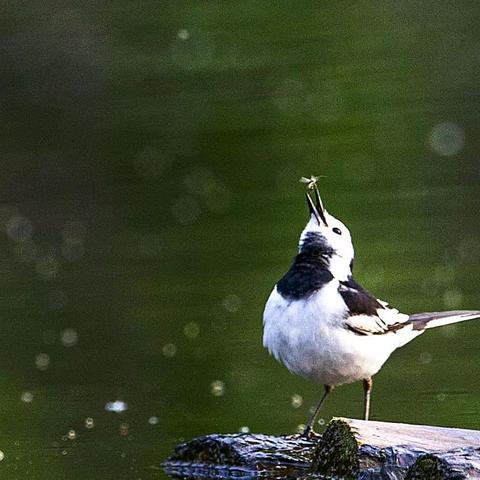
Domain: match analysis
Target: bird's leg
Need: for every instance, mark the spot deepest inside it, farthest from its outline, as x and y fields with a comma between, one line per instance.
x=309, y=427
x=367, y=389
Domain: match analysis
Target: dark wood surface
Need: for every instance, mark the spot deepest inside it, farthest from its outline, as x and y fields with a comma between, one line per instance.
x=348, y=448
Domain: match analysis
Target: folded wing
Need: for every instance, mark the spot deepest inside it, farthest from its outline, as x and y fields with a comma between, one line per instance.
x=368, y=315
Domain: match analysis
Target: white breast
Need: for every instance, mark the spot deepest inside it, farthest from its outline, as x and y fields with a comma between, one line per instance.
x=309, y=337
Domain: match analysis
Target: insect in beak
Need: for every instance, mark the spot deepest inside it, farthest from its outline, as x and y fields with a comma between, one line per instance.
x=317, y=210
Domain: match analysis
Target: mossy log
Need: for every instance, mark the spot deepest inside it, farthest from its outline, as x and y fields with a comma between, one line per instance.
x=348, y=449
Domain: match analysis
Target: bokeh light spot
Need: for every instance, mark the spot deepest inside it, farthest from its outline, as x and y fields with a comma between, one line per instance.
x=296, y=400
x=153, y=420
x=300, y=428
x=124, y=427
x=42, y=361
x=425, y=358
x=183, y=34
x=169, y=350
x=69, y=337
x=118, y=406
x=447, y=139
x=217, y=388
x=191, y=330
x=27, y=397
x=232, y=303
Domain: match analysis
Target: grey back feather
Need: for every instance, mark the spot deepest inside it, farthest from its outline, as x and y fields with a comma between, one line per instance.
x=421, y=321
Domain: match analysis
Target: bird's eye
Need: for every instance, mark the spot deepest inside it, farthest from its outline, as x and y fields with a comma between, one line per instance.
x=337, y=231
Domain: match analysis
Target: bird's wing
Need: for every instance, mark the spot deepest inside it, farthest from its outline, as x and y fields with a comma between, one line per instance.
x=387, y=320
x=366, y=314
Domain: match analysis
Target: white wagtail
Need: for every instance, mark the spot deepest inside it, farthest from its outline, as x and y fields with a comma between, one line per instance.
x=321, y=324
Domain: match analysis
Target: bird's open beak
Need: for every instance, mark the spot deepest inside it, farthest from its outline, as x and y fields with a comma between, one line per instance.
x=317, y=210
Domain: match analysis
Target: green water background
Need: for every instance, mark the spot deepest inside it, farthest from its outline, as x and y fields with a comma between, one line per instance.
x=149, y=200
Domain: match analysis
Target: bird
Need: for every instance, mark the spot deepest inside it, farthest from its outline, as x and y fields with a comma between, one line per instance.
x=323, y=325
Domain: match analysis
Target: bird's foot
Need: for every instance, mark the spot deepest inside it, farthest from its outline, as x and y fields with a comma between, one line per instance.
x=309, y=433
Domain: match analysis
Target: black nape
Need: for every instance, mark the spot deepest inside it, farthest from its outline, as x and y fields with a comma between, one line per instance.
x=315, y=245
x=309, y=270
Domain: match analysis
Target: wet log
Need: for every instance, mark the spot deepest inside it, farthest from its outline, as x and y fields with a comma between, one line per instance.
x=348, y=449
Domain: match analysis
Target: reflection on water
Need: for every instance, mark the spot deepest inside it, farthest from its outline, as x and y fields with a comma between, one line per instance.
x=150, y=199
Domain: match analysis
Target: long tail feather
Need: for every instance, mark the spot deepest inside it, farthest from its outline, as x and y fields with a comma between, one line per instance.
x=423, y=321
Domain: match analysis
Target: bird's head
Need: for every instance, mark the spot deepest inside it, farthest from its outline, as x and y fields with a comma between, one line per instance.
x=327, y=238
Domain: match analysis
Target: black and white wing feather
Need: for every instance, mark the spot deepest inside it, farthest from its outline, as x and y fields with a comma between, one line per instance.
x=368, y=315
